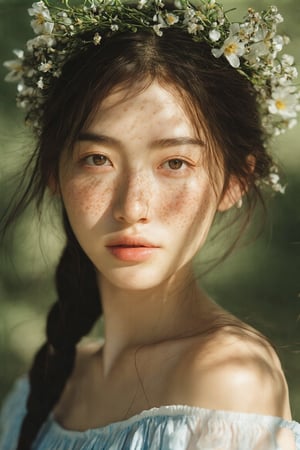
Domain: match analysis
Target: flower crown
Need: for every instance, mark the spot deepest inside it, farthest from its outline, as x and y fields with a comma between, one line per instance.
x=251, y=47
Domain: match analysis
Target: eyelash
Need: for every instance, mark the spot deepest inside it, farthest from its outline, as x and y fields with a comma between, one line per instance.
x=104, y=158
x=181, y=162
x=106, y=162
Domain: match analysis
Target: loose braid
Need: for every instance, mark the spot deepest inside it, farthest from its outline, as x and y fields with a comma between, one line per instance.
x=70, y=318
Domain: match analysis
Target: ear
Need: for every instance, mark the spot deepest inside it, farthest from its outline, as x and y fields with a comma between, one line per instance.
x=233, y=195
x=236, y=189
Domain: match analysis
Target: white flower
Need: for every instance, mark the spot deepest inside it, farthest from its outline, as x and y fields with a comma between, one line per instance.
x=278, y=18
x=278, y=43
x=40, y=83
x=65, y=19
x=171, y=19
x=159, y=3
x=159, y=18
x=46, y=66
x=42, y=22
x=114, y=27
x=40, y=41
x=189, y=13
x=214, y=35
x=24, y=90
x=279, y=188
x=97, y=38
x=257, y=50
x=274, y=178
x=286, y=40
x=178, y=4
x=292, y=123
x=20, y=86
x=194, y=28
x=290, y=73
x=276, y=186
x=287, y=60
x=284, y=102
x=232, y=48
x=141, y=4
x=157, y=29
x=15, y=66
x=261, y=45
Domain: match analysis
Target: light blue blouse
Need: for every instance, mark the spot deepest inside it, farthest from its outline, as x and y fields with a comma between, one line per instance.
x=164, y=428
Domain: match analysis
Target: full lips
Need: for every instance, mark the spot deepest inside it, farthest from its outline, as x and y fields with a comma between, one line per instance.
x=133, y=253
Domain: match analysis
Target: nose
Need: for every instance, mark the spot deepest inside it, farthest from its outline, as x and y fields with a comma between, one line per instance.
x=132, y=204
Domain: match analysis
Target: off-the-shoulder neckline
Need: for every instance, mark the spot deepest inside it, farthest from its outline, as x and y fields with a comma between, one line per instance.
x=169, y=411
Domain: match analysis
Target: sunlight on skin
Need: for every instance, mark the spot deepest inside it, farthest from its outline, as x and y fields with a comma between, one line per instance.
x=133, y=192
x=132, y=178
x=137, y=173
x=141, y=204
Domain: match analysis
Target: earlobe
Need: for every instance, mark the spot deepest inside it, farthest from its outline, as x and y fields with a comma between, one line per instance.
x=233, y=195
x=236, y=188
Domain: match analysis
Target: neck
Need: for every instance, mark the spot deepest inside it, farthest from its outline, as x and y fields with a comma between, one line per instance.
x=139, y=318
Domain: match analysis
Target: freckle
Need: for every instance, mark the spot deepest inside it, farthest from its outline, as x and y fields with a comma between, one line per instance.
x=91, y=199
x=181, y=208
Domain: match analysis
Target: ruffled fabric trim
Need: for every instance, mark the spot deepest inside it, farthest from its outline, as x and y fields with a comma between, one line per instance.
x=173, y=427
x=181, y=411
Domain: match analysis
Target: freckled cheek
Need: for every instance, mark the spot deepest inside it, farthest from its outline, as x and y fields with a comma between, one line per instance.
x=86, y=201
x=186, y=207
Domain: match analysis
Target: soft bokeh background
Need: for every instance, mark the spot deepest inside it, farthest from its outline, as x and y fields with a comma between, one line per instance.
x=259, y=282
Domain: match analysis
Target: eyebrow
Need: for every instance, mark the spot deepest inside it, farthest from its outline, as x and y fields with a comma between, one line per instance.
x=173, y=142
x=99, y=139
x=157, y=143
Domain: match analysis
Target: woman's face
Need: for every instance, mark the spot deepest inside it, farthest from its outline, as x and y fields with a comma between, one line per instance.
x=136, y=190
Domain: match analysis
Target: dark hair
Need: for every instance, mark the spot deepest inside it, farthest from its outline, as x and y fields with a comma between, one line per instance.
x=215, y=95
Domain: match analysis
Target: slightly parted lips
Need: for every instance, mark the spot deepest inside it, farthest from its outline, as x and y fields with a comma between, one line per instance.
x=131, y=250
x=130, y=246
x=130, y=243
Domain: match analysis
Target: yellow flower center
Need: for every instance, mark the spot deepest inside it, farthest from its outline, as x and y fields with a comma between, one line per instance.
x=170, y=19
x=231, y=48
x=40, y=19
x=280, y=104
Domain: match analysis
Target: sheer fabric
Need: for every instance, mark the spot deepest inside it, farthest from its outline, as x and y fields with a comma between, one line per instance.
x=164, y=428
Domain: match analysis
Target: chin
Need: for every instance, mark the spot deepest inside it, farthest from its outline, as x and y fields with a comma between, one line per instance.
x=134, y=278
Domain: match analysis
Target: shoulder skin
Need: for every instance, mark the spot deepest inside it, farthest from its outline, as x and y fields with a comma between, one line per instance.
x=234, y=372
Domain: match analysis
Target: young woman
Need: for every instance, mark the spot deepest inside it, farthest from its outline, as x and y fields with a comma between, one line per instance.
x=151, y=121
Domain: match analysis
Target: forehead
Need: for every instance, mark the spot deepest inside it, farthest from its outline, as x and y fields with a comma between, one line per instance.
x=151, y=109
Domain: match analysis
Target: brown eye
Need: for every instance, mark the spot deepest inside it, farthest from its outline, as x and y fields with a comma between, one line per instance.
x=175, y=164
x=96, y=160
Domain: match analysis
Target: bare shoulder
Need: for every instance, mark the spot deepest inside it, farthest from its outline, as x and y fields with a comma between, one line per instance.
x=235, y=370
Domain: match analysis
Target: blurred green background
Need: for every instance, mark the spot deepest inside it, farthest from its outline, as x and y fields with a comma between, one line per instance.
x=259, y=282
